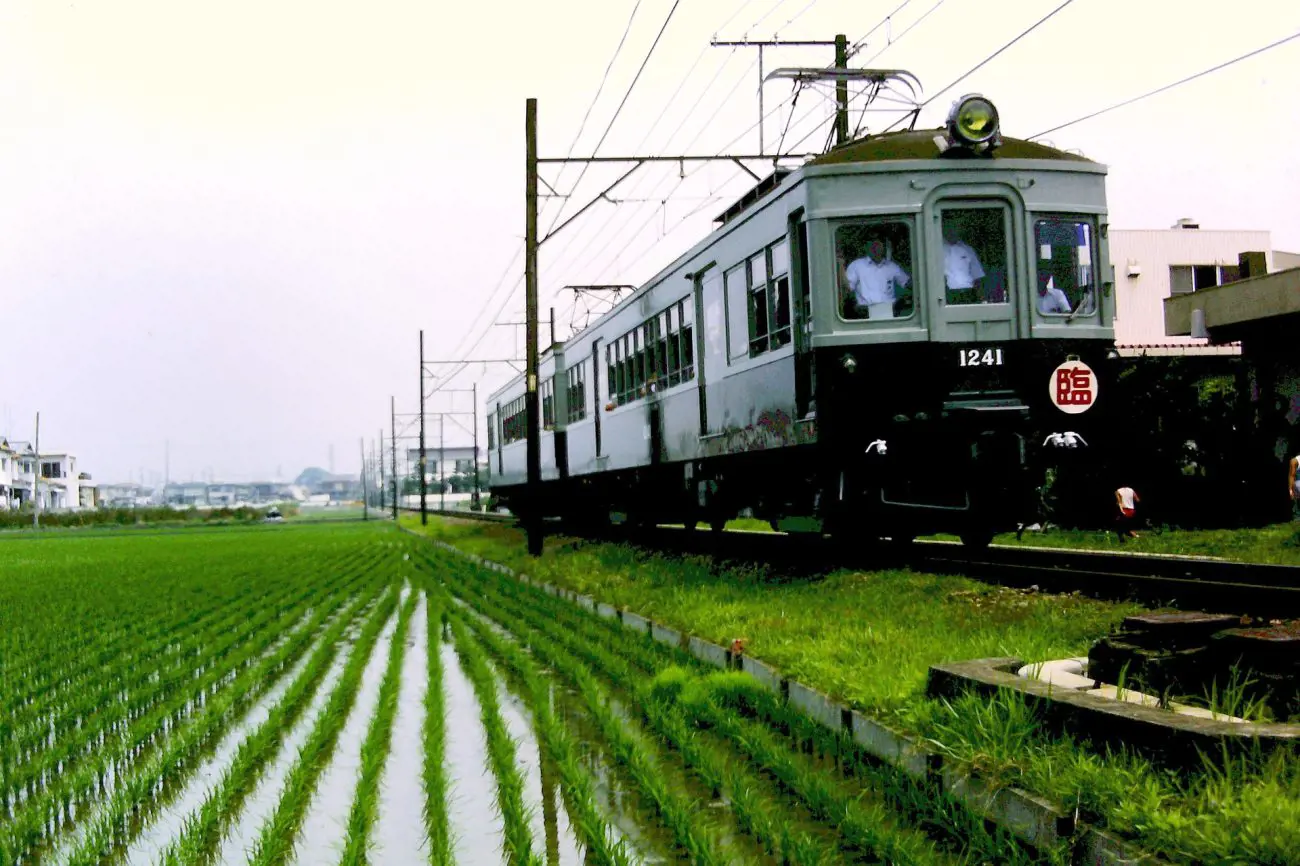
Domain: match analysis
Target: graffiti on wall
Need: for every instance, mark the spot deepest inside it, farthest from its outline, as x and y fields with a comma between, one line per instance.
x=773, y=428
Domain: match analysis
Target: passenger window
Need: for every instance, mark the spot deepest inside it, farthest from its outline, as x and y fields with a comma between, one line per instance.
x=875, y=264
x=975, y=256
x=1066, y=281
x=737, y=288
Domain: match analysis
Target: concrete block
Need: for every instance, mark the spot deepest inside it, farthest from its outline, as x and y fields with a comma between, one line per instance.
x=549, y=589
x=1101, y=848
x=766, y=676
x=709, y=653
x=1026, y=816
x=816, y=706
x=889, y=746
x=584, y=601
x=608, y=611
x=665, y=635
x=636, y=622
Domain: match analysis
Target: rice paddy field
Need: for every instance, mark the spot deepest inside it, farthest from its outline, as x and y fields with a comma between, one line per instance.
x=323, y=693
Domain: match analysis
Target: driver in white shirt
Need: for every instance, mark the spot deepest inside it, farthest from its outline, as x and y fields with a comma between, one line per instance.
x=1050, y=298
x=875, y=281
x=962, y=270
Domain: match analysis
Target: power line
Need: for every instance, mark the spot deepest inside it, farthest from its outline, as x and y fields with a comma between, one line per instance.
x=626, y=95
x=1030, y=29
x=1181, y=81
x=605, y=78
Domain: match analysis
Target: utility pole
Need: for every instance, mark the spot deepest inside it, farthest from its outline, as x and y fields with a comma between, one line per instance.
x=383, y=484
x=442, y=467
x=393, y=442
x=841, y=91
x=841, y=45
x=365, y=492
x=424, y=490
x=36, y=477
x=531, y=517
x=474, y=497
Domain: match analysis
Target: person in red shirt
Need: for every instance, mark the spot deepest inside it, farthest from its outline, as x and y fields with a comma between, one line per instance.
x=1126, y=499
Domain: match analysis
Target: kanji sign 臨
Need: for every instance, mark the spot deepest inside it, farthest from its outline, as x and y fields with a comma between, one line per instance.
x=1073, y=387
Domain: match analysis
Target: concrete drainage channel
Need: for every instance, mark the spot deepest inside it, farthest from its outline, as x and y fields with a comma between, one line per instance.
x=1030, y=818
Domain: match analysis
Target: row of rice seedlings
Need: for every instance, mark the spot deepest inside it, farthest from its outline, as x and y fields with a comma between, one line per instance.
x=677, y=812
x=278, y=836
x=108, y=756
x=375, y=749
x=941, y=816
x=756, y=813
x=90, y=763
x=138, y=795
x=598, y=838
x=501, y=752
x=204, y=829
x=130, y=689
x=868, y=826
x=434, y=734
x=150, y=635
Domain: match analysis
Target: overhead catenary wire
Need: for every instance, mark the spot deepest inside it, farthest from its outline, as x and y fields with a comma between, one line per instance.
x=623, y=102
x=1166, y=87
x=978, y=66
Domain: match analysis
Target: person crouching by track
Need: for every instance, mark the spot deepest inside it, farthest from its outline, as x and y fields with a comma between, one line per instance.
x=1293, y=483
x=1126, y=500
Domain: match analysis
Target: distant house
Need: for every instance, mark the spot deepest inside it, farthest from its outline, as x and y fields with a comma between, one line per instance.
x=316, y=482
x=127, y=494
x=59, y=487
x=8, y=469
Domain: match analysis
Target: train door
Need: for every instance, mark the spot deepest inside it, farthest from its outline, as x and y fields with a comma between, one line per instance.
x=805, y=377
x=500, y=461
x=597, y=406
x=973, y=295
x=710, y=335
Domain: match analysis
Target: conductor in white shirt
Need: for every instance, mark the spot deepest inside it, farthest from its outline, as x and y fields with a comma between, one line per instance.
x=962, y=270
x=875, y=281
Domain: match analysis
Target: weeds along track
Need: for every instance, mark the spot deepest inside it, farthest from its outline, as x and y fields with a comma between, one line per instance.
x=779, y=788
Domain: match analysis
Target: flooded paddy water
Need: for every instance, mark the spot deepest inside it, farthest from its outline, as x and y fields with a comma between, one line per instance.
x=349, y=760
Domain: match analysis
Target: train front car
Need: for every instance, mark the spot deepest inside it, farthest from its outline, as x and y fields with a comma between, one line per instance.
x=961, y=321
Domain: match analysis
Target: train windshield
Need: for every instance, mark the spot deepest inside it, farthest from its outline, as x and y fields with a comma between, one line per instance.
x=975, y=256
x=876, y=267
x=1066, y=277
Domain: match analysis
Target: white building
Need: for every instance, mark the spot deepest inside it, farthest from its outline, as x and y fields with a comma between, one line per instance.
x=61, y=487
x=1152, y=265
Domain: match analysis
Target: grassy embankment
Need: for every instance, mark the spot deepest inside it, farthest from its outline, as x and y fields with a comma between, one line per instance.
x=1277, y=544
x=868, y=639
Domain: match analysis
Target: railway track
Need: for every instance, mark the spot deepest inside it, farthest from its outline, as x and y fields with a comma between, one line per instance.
x=1190, y=583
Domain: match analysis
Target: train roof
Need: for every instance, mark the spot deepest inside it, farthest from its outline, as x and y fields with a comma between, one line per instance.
x=920, y=144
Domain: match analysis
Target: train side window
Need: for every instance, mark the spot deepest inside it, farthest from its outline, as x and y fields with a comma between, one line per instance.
x=737, y=290
x=876, y=266
x=1066, y=276
x=686, y=317
x=779, y=293
x=548, y=404
x=975, y=256
x=758, y=300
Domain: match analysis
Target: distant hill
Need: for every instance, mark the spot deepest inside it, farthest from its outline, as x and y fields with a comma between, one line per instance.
x=311, y=476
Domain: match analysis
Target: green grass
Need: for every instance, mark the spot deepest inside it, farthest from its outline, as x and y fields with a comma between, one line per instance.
x=1278, y=544
x=868, y=638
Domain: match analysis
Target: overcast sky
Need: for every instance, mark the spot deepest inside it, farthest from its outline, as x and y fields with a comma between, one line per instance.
x=223, y=223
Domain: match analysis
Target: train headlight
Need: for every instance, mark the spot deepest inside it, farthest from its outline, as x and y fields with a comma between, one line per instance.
x=973, y=121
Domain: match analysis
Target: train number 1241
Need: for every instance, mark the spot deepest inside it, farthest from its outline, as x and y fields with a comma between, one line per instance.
x=976, y=358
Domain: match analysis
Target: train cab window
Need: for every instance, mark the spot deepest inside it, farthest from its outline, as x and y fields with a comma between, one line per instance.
x=758, y=319
x=548, y=404
x=1066, y=278
x=737, y=289
x=686, y=333
x=875, y=264
x=975, y=256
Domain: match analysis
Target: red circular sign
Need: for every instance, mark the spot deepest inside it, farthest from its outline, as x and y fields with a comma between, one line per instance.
x=1073, y=387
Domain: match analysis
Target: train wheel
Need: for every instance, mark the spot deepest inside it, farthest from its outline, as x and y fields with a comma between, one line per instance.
x=976, y=539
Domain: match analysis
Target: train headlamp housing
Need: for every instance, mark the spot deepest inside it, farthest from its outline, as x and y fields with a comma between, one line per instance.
x=973, y=124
